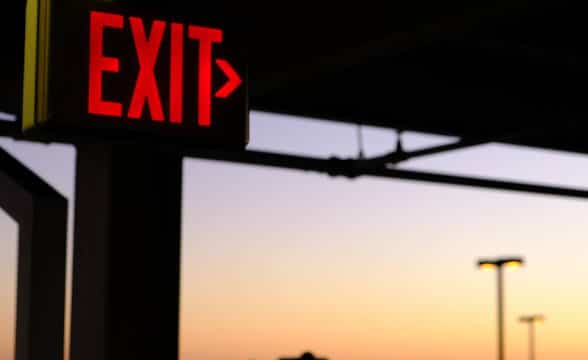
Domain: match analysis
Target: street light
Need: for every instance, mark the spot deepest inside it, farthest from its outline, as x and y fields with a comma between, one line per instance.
x=531, y=320
x=499, y=264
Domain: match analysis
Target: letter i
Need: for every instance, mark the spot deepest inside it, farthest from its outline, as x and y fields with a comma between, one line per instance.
x=176, y=73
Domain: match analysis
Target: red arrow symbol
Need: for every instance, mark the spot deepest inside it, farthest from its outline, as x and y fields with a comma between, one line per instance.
x=233, y=82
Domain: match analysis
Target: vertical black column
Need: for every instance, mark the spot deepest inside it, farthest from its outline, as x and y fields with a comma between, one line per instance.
x=126, y=254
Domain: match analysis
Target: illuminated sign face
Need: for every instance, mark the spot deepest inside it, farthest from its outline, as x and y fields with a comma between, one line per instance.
x=128, y=71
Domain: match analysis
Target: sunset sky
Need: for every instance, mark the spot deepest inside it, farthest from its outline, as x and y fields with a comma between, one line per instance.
x=276, y=262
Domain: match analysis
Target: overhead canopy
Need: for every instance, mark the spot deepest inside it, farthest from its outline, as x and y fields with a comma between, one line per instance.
x=508, y=71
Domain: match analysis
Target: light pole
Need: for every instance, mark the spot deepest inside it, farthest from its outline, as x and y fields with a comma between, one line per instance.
x=531, y=320
x=499, y=264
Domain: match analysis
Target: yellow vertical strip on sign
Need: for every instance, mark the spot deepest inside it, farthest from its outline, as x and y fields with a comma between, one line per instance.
x=29, y=101
x=44, y=41
x=36, y=63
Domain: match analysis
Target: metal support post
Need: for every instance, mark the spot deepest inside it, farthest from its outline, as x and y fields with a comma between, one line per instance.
x=126, y=280
x=41, y=214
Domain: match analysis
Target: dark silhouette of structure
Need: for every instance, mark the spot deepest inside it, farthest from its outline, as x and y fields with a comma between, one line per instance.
x=484, y=72
x=304, y=356
x=506, y=71
x=41, y=214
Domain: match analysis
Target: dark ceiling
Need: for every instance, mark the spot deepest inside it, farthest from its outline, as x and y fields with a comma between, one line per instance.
x=511, y=71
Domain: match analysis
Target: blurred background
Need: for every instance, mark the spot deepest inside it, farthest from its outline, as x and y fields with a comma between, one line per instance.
x=277, y=262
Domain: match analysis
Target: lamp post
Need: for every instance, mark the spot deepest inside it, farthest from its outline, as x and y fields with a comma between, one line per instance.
x=531, y=320
x=499, y=264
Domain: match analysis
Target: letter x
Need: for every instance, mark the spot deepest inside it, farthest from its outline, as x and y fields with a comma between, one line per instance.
x=146, y=85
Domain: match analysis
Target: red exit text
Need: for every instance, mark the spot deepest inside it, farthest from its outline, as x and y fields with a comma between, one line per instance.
x=146, y=90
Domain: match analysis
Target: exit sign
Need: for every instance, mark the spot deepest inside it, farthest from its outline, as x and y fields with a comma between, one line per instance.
x=131, y=68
